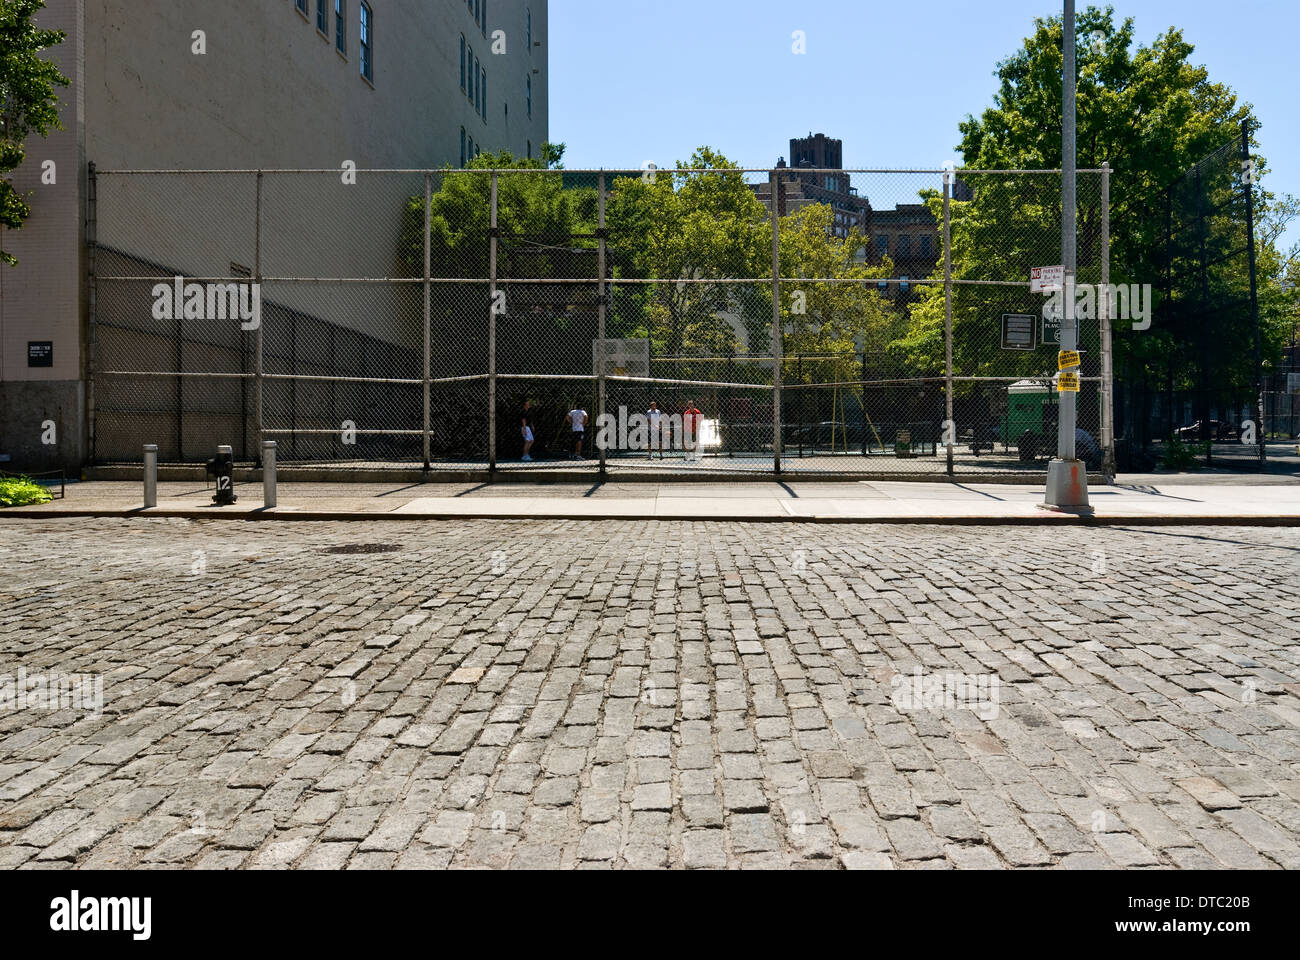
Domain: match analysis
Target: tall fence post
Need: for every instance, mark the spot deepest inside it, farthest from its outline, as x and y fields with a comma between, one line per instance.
x=92, y=300
x=600, y=315
x=949, y=426
x=492, y=332
x=777, y=345
x=1254, y=298
x=863, y=425
x=1107, y=357
x=259, y=418
x=428, y=316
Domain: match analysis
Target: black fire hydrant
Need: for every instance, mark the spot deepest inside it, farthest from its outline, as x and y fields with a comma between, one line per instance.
x=222, y=466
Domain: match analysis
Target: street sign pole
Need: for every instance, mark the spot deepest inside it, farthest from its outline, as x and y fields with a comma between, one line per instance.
x=1067, y=478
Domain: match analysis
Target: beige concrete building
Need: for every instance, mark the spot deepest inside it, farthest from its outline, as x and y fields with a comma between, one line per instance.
x=241, y=85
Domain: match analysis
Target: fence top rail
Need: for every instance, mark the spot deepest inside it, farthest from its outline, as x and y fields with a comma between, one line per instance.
x=335, y=171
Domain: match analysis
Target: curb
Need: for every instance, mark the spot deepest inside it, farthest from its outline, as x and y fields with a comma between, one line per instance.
x=1047, y=519
x=170, y=473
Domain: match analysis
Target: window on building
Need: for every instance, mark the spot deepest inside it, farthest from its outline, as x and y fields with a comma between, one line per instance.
x=530, y=29
x=925, y=247
x=904, y=245
x=301, y=5
x=478, y=10
x=367, y=42
x=882, y=245
x=478, y=86
x=530, y=149
x=471, y=148
x=341, y=26
x=530, y=96
x=323, y=16
x=462, y=63
x=483, y=110
x=469, y=74
x=483, y=21
x=462, y=147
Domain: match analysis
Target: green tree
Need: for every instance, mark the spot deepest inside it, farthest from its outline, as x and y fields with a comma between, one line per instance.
x=1147, y=110
x=696, y=228
x=27, y=100
x=843, y=313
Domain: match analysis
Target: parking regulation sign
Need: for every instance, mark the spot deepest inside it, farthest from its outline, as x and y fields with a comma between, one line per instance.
x=1046, y=279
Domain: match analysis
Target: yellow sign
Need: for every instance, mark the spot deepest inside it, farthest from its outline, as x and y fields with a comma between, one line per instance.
x=1066, y=359
x=1068, y=382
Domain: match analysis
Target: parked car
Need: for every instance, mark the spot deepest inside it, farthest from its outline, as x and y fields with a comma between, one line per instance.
x=1221, y=430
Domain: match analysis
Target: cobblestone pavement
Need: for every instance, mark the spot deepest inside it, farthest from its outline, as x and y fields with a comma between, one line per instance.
x=561, y=694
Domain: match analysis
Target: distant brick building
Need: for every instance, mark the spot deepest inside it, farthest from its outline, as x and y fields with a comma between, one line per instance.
x=908, y=234
x=813, y=160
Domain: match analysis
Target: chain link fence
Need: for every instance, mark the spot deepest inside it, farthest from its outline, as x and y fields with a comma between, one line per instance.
x=1192, y=390
x=622, y=322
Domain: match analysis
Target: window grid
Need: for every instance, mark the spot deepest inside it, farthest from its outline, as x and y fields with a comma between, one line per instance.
x=341, y=26
x=366, y=42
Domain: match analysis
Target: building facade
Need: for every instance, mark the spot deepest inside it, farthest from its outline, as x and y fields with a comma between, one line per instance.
x=250, y=84
x=907, y=233
x=813, y=178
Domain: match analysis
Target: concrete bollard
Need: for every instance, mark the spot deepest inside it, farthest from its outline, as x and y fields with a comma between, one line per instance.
x=268, y=473
x=151, y=474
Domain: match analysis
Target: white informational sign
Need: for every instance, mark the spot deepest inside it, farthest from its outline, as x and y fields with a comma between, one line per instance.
x=1046, y=279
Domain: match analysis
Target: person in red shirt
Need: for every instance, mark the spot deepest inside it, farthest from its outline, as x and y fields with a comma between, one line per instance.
x=691, y=426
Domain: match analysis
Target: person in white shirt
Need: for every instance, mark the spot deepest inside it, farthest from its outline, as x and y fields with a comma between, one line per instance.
x=655, y=417
x=577, y=420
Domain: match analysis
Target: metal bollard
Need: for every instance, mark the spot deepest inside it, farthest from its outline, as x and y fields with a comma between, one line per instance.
x=268, y=473
x=151, y=474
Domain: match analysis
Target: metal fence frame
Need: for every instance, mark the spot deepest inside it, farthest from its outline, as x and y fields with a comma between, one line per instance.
x=259, y=377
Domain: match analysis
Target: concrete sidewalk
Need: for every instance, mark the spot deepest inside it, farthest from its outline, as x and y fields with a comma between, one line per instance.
x=1144, y=500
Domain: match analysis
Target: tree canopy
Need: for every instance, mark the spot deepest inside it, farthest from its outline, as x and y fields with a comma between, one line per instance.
x=28, y=103
x=1152, y=114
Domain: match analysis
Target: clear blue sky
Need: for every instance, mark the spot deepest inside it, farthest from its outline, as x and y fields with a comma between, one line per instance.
x=633, y=81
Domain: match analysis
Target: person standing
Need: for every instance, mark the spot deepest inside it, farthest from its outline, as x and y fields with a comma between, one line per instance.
x=526, y=429
x=655, y=417
x=577, y=420
x=691, y=429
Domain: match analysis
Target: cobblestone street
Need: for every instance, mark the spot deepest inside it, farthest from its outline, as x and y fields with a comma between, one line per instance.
x=649, y=694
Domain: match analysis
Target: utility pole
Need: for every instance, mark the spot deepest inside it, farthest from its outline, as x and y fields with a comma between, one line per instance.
x=1067, y=477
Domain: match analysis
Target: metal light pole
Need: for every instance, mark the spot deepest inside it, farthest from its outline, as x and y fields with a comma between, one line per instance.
x=1067, y=477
